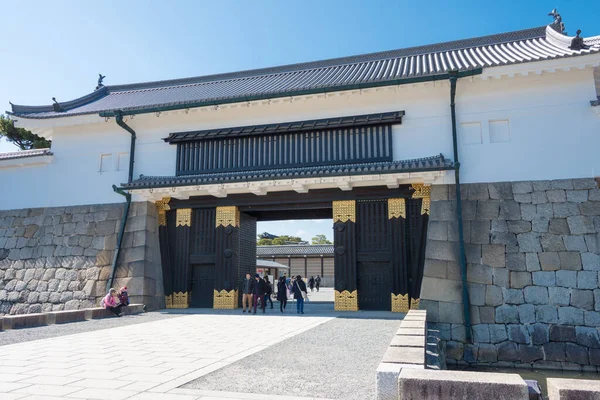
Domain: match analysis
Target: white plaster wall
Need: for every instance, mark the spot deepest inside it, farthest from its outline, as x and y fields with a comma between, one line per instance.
x=554, y=134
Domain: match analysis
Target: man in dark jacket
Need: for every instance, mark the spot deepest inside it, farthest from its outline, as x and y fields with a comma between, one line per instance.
x=259, y=292
x=247, y=292
x=299, y=293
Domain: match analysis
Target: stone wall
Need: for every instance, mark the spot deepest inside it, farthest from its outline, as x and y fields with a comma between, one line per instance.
x=60, y=258
x=533, y=259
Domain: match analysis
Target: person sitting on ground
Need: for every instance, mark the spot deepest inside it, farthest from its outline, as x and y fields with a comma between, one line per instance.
x=123, y=297
x=109, y=302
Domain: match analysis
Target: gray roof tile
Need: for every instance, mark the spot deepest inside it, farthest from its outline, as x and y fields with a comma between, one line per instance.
x=25, y=154
x=294, y=250
x=435, y=163
x=377, y=69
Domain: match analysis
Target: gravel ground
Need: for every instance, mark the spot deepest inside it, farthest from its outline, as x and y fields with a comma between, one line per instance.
x=335, y=360
x=43, y=332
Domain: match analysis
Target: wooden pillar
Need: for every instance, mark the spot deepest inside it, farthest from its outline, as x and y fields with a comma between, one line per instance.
x=306, y=267
x=225, y=295
x=322, y=267
x=162, y=206
x=183, y=222
x=344, y=220
x=397, y=217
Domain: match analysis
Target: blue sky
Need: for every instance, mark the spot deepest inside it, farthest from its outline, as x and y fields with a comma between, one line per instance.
x=57, y=48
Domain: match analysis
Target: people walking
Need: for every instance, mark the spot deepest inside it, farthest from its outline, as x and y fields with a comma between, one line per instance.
x=247, y=293
x=282, y=293
x=299, y=294
x=259, y=292
x=269, y=291
x=318, y=282
x=311, y=283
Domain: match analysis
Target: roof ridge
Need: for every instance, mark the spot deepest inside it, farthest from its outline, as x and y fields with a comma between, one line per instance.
x=497, y=38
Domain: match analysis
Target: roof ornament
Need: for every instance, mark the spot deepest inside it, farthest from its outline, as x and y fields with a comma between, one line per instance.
x=100, y=79
x=577, y=42
x=56, y=106
x=557, y=24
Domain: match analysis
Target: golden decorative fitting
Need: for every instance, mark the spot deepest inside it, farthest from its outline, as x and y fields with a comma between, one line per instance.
x=180, y=300
x=169, y=301
x=346, y=301
x=228, y=216
x=344, y=210
x=183, y=217
x=162, y=206
x=400, y=303
x=225, y=300
x=414, y=304
x=422, y=192
x=396, y=208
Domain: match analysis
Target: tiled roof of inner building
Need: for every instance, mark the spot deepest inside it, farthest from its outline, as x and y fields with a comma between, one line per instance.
x=25, y=154
x=369, y=70
x=435, y=163
x=294, y=249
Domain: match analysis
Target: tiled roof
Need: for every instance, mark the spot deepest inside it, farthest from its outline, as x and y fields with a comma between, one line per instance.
x=436, y=163
x=294, y=250
x=270, y=264
x=25, y=154
x=377, y=69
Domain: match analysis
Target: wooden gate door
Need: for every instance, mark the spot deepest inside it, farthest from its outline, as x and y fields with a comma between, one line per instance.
x=374, y=255
x=203, y=283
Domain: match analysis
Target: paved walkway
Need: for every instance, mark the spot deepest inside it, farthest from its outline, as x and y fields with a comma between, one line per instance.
x=144, y=361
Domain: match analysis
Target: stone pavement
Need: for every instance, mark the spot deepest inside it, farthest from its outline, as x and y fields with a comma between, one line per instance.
x=143, y=361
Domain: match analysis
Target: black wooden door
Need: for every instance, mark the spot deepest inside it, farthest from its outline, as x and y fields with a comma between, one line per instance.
x=374, y=255
x=203, y=284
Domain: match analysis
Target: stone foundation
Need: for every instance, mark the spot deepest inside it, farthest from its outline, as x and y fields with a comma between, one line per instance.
x=60, y=258
x=533, y=258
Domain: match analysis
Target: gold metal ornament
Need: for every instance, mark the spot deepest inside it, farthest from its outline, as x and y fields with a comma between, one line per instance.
x=344, y=210
x=400, y=303
x=422, y=192
x=180, y=300
x=396, y=208
x=225, y=300
x=414, y=304
x=346, y=301
x=229, y=215
x=169, y=301
x=162, y=206
x=183, y=217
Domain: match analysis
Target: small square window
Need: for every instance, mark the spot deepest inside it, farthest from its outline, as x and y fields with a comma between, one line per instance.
x=471, y=133
x=499, y=131
x=106, y=163
x=123, y=162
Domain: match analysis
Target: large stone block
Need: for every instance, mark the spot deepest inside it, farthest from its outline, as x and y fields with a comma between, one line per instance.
x=544, y=278
x=549, y=261
x=519, y=226
x=497, y=333
x=587, y=280
x=443, y=211
x=477, y=294
x=566, y=279
x=556, y=196
x=441, y=250
x=529, y=242
x=493, y=255
x=551, y=242
x=540, y=225
x=554, y=351
x=523, y=197
x=565, y=210
x=516, y=262
x=500, y=191
x=488, y=209
x=590, y=261
x=493, y=295
x=477, y=273
x=480, y=232
x=540, y=333
x=532, y=262
x=435, y=269
x=439, y=192
x=580, y=224
x=481, y=333
x=527, y=314
x=561, y=333
x=510, y=210
x=519, y=280
x=584, y=183
x=590, y=208
x=507, y=351
x=559, y=296
x=546, y=314
x=577, y=196
x=518, y=334
x=529, y=211
x=437, y=230
x=513, y=296
x=573, y=389
x=522, y=187
x=529, y=354
x=505, y=238
x=454, y=350
x=507, y=314
x=451, y=385
x=570, y=316
x=583, y=299
x=387, y=381
x=441, y=290
x=451, y=313
x=536, y=295
x=587, y=337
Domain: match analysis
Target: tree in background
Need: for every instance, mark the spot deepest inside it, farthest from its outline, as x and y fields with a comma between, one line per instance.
x=320, y=239
x=21, y=137
x=278, y=241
